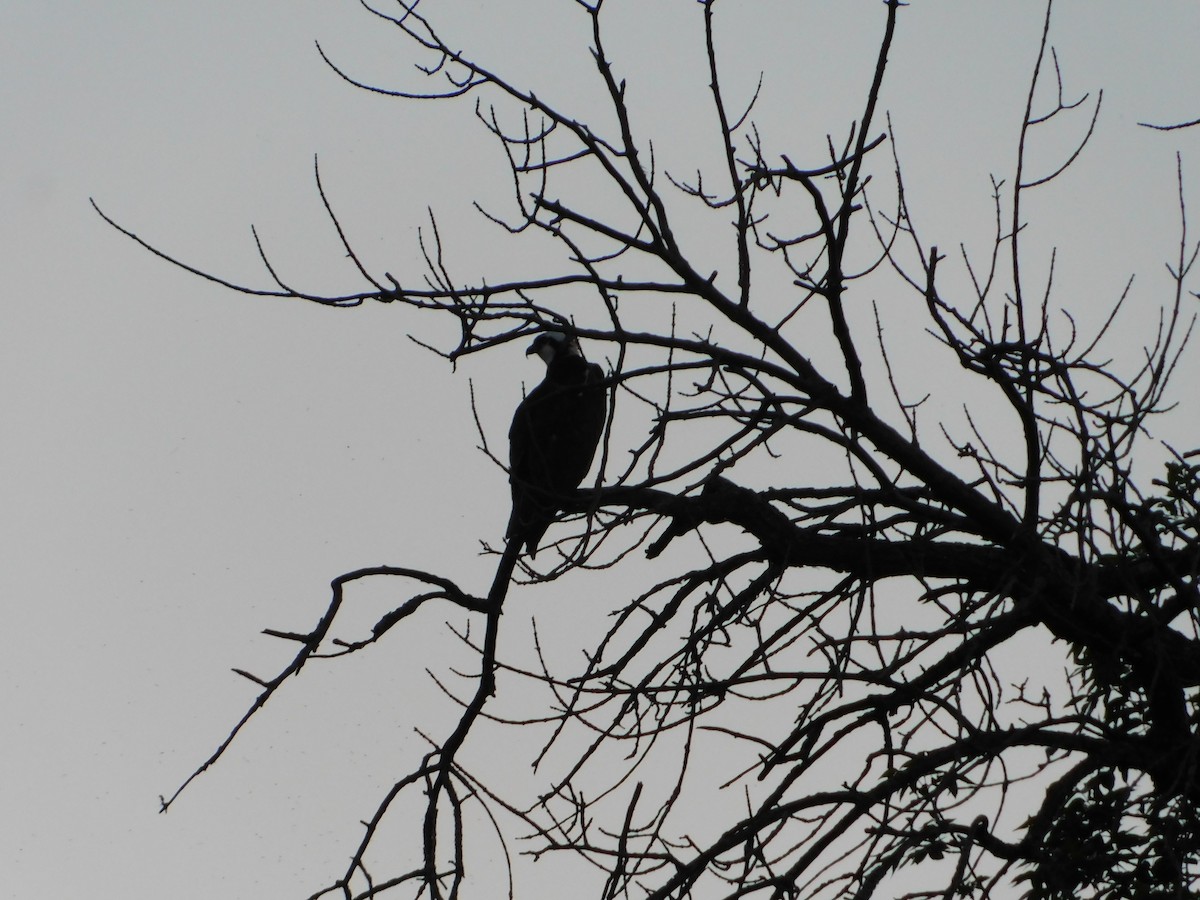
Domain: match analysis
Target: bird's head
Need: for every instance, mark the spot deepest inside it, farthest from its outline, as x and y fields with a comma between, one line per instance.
x=551, y=344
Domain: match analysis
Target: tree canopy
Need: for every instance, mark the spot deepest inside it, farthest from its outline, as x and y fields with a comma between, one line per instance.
x=875, y=646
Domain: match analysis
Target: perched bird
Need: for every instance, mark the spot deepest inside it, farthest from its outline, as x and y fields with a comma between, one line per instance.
x=553, y=437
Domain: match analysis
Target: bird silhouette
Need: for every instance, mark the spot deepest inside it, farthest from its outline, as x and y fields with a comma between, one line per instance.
x=554, y=435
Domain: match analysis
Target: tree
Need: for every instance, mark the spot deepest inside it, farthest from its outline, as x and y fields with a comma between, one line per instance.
x=822, y=686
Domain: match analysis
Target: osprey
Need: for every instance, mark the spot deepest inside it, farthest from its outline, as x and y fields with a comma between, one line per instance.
x=553, y=437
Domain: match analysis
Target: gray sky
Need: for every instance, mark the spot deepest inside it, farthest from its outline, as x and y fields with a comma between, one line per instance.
x=184, y=466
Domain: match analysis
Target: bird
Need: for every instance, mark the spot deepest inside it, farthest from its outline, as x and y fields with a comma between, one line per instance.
x=554, y=434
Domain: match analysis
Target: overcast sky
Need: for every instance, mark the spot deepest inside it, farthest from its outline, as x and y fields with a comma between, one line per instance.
x=184, y=466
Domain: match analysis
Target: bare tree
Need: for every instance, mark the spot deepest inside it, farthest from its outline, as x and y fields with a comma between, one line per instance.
x=823, y=689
